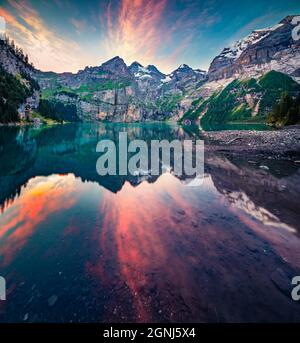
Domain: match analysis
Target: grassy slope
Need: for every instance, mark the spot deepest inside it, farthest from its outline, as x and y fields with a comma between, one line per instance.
x=230, y=104
x=85, y=91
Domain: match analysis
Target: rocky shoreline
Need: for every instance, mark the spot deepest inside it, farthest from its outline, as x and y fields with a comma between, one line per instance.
x=283, y=143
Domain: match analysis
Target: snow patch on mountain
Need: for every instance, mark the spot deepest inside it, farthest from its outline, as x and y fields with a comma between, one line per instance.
x=183, y=66
x=142, y=72
x=272, y=28
x=166, y=79
x=236, y=49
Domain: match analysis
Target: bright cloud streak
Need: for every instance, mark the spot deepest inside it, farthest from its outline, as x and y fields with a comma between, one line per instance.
x=136, y=33
x=46, y=49
x=63, y=35
x=141, y=32
x=147, y=31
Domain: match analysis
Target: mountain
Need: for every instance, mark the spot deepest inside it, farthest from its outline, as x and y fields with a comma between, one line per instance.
x=185, y=78
x=263, y=50
x=19, y=92
x=243, y=83
x=145, y=73
x=116, y=92
x=246, y=79
x=103, y=92
x=250, y=99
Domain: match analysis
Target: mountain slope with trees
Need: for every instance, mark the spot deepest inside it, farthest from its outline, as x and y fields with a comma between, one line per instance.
x=243, y=83
x=18, y=88
x=13, y=92
x=243, y=100
x=286, y=111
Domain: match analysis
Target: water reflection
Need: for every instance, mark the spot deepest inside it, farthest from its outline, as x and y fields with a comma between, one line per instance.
x=41, y=199
x=130, y=249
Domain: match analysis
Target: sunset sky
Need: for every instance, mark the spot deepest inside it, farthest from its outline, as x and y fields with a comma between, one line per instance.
x=65, y=35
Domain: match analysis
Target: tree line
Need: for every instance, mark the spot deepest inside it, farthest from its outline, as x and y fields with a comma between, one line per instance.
x=12, y=94
x=16, y=50
x=57, y=110
x=286, y=111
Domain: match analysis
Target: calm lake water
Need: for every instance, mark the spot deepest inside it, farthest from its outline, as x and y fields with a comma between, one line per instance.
x=77, y=247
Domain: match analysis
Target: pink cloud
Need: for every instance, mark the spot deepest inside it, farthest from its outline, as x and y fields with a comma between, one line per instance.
x=47, y=49
x=149, y=32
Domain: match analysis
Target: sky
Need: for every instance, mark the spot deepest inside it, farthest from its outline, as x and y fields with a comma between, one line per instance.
x=67, y=35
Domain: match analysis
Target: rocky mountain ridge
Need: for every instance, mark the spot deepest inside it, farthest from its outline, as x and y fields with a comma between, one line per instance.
x=19, y=92
x=263, y=50
x=234, y=90
x=114, y=91
x=117, y=92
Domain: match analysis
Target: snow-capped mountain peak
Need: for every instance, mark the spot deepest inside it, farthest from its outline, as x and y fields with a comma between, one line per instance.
x=183, y=66
x=145, y=73
x=236, y=49
x=262, y=50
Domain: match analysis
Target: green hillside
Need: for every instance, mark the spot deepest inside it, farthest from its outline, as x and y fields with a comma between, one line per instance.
x=244, y=100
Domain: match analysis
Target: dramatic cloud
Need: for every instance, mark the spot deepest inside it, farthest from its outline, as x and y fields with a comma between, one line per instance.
x=135, y=34
x=65, y=35
x=46, y=49
x=149, y=31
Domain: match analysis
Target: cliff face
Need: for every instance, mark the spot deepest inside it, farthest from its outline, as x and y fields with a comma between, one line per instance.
x=19, y=92
x=248, y=78
x=12, y=62
x=263, y=50
x=116, y=92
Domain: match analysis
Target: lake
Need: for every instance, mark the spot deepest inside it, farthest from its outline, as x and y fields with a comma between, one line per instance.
x=78, y=247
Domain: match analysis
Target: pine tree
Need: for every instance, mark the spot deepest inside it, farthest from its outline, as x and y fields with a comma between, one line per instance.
x=292, y=116
x=285, y=104
x=286, y=112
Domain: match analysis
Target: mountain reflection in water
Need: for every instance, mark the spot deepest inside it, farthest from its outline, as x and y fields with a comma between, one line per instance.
x=77, y=247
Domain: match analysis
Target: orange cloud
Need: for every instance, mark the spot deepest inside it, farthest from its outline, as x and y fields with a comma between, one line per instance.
x=148, y=32
x=11, y=19
x=136, y=33
x=46, y=49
